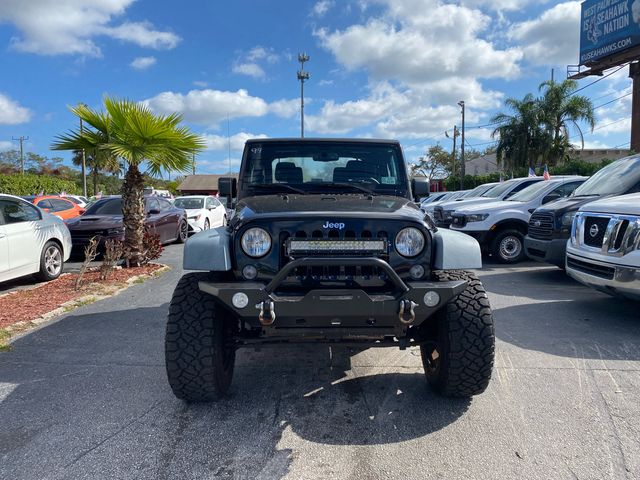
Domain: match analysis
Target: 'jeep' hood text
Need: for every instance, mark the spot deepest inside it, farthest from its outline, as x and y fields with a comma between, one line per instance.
x=332, y=206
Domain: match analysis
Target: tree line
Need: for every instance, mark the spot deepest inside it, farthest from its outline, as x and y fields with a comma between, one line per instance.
x=534, y=131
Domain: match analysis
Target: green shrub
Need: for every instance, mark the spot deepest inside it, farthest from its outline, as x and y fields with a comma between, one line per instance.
x=29, y=184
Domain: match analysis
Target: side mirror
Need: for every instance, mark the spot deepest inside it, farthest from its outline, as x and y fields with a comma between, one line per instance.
x=420, y=187
x=46, y=210
x=81, y=211
x=227, y=186
x=552, y=197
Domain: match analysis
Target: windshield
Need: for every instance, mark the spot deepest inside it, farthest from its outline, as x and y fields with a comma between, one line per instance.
x=323, y=167
x=498, y=190
x=108, y=206
x=614, y=179
x=479, y=190
x=529, y=193
x=189, y=203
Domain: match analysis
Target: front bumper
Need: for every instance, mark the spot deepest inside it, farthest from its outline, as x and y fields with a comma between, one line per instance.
x=605, y=277
x=195, y=225
x=344, y=314
x=547, y=251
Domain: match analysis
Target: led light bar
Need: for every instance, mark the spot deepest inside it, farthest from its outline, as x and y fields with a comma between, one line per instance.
x=328, y=246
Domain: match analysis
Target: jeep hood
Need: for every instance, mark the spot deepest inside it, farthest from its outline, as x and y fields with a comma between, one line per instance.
x=331, y=206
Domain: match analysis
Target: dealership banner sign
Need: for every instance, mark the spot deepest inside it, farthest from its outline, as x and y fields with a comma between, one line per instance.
x=608, y=27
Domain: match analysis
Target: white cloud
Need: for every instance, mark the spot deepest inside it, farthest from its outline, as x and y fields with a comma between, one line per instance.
x=12, y=113
x=261, y=53
x=322, y=7
x=144, y=35
x=218, y=166
x=287, y=108
x=56, y=27
x=251, y=69
x=142, y=63
x=221, y=143
x=553, y=38
x=498, y=5
x=209, y=107
x=200, y=83
x=421, y=41
x=5, y=145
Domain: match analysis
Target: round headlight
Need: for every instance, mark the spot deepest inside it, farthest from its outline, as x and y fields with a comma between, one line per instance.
x=409, y=242
x=256, y=242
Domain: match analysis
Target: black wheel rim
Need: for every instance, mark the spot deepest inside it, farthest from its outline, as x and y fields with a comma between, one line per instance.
x=183, y=230
x=432, y=359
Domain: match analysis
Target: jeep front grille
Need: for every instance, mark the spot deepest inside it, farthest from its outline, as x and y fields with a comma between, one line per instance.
x=541, y=226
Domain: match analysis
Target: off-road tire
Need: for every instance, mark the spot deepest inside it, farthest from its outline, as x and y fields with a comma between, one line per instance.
x=465, y=341
x=502, y=254
x=199, y=349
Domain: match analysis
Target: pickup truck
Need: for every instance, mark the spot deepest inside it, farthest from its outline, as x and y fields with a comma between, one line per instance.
x=604, y=249
x=500, y=227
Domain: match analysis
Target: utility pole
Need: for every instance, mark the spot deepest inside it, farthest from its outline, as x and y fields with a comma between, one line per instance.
x=302, y=76
x=456, y=133
x=462, y=169
x=84, y=160
x=21, y=139
x=634, y=74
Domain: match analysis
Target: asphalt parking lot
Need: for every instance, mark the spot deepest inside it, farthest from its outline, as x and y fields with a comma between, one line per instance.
x=86, y=397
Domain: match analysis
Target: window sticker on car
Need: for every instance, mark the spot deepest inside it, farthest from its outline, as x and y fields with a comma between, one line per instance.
x=388, y=180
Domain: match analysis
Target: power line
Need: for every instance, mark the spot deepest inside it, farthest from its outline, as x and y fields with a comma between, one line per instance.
x=431, y=139
x=608, y=124
x=611, y=101
x=598, y=80
x=622, y=145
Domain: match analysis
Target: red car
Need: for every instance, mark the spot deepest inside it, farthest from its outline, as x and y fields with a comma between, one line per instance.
x=59, y=206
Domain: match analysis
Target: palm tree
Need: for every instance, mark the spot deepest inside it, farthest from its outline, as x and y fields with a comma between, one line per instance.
x=561, y=109
x=521, y=138
x=131, y=132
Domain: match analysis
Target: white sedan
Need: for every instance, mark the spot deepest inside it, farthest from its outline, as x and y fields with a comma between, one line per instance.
x=203, y=212
x=31, y=241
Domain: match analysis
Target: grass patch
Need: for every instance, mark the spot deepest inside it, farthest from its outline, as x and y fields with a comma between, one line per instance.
x=4, y=340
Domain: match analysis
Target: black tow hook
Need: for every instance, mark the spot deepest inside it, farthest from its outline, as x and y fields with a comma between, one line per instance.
x=267, y=313
x=407, y=315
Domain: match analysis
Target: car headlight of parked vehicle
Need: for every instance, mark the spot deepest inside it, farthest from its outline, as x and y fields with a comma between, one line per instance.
x=409, y=242
x=195, y=217
x=256, y=242
x=477, y=217
x=567, y=219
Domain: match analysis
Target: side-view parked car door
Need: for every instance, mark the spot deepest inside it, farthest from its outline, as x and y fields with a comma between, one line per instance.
x=217, y=210
x=170, y=217
x=20, y=225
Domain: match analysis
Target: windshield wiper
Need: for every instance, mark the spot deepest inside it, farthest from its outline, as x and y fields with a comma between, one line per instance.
x=277, y=186
x=348, y=185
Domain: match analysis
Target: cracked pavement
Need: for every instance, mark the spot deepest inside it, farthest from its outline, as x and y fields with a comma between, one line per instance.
x=86, y=397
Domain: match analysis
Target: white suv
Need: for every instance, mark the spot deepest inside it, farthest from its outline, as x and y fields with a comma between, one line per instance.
x=604, y=249
x=500, y=226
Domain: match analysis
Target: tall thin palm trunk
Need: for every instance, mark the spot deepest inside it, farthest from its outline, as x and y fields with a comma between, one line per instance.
x=133, y=211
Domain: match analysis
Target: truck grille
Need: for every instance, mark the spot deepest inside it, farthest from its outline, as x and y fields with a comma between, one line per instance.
x=594, y=230
x=591, y=268
x=541, y=226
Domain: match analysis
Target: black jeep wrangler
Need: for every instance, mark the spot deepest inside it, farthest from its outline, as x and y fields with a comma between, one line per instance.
x=326, y=245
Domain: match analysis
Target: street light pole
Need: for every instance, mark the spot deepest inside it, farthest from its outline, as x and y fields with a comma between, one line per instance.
x=84, y=161
x=462, y=169
x=302, y=76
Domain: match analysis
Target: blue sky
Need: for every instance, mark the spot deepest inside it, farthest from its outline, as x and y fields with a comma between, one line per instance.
x=379, y=68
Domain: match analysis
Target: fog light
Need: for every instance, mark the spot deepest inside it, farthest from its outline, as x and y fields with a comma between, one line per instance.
x=249, y=272
x=240, y=300
x=416, y=272
x=431, y=299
